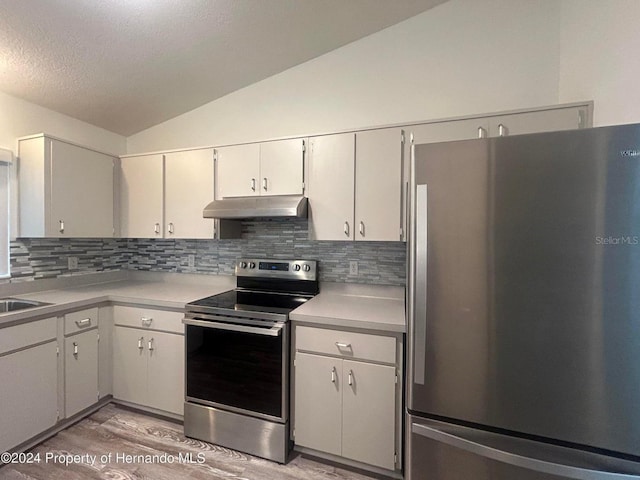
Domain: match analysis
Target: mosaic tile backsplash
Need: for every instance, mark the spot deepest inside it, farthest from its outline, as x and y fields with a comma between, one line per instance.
x=380, y=263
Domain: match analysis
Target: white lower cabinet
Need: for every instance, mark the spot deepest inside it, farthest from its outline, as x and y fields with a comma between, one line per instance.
x=148, y=365
x=80, y=371
x=80, y=360
x=29, y=378
x=318, y=399
x=347, y=408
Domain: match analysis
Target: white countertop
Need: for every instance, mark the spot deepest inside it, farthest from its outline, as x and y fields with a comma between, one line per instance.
x=370, y=307
x=170, y=291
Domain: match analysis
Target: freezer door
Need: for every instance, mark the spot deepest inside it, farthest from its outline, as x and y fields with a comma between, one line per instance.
x=525, y=285
x=441, y=451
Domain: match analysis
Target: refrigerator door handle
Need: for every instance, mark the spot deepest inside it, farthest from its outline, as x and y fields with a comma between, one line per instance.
x=516, y=459
x=419, y=293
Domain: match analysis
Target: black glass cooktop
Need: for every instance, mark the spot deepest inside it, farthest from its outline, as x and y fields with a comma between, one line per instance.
x=252, y=301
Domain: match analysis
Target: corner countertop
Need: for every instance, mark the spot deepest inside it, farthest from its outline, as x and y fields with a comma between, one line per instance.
x=370, y=307
x=169, y=291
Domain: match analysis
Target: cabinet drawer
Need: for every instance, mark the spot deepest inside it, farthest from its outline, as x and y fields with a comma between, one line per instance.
x=148, y=318
x=363, y=346
x=20, y=336
x=80, y=321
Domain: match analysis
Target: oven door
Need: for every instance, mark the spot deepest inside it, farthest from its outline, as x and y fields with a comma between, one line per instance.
x=239, y=367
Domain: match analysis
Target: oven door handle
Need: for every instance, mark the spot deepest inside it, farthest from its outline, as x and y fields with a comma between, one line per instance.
x=274, y=331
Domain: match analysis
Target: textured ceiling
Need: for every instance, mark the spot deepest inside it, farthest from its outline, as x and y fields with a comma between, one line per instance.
x=126, y=65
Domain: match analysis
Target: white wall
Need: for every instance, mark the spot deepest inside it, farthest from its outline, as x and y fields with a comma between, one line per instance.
x=460, y=58
x=600, y=60
x=19, y=118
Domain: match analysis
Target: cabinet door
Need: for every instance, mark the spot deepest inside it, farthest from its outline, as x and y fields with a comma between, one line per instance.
x=331, y=187
x=105, y=347
x=141, y=197
x=238, y=171
x=368, y=413
x=318, y=403
x=80, y=371
x=29, y=394
x=188, y=189
x=281, y=167
x=541, y=121
x=130, y=364
x=378, y=192
x=448, y=131
x=166, y=372
x=81, y=192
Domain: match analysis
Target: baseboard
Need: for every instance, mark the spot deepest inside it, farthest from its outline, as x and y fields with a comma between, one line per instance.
x=342, y=462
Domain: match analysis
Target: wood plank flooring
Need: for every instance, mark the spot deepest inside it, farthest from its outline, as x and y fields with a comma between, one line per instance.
x=118, y=431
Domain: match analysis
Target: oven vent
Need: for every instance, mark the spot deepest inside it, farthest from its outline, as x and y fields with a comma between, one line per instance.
x=258, y=207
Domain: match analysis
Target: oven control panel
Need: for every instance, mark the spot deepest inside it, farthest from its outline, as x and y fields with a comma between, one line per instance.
x=293, y=269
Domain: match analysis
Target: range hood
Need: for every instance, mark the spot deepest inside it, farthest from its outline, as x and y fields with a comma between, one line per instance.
x=256, y=207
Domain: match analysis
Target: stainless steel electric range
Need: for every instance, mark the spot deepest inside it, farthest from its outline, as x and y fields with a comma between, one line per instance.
x=237, y=357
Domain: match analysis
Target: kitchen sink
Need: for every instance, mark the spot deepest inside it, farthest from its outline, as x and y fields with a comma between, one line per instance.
x=15, y=304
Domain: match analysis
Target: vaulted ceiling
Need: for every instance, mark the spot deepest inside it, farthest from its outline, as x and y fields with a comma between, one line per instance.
x=126, y=65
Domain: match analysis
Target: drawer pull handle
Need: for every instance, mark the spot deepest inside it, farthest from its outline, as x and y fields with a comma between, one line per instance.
x=350, y=377
x=333, y=375
x=140, y=340
x=85, y=322
x=146, y=321
x=343, y=345
x=75, y=349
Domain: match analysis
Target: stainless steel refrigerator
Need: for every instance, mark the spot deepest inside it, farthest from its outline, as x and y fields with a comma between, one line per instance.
x=524, y=308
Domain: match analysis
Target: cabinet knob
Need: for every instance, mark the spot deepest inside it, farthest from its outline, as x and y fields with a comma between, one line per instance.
x=61, y=222
x=333, y=375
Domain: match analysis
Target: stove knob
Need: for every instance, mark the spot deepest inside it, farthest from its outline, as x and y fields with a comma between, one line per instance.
x=306, y=267
x=296, y=267
x=252, y=265
x=243, y=264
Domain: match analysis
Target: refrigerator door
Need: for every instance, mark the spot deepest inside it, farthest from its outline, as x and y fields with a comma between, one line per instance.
x=525, y=285
x=441, y=451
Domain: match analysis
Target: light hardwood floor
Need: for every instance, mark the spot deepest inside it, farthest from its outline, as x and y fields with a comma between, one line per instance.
x=115, y=430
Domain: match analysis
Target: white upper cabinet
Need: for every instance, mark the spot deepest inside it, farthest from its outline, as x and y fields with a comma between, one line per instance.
x=163, y=196
x=189, y=179
x=269, y=168
x=238, y=170
x=141, y=196
x=355, y=186
x=378, y=193
x=281, y=167
x=331, y=186
x=568, y=118
x=65, y=190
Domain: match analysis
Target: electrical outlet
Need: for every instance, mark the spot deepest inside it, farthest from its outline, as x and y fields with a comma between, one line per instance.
x=191, y=260
x=353, y=268
x=72, y=263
